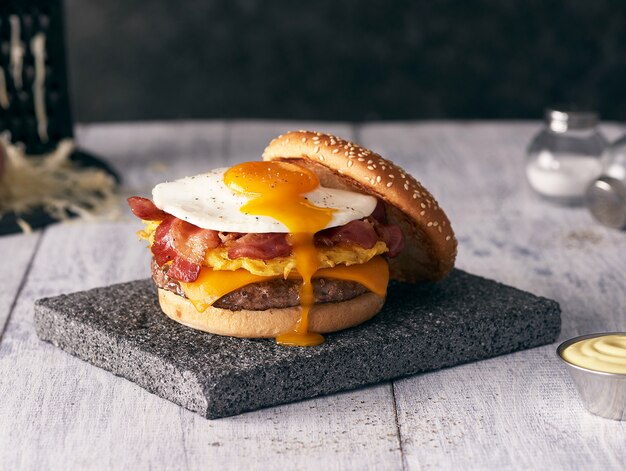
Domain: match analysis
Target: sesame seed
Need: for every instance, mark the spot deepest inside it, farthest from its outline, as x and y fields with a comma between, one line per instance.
x=429, y=224
x=361, y=159
x=303, y=139
x=439, y=228
x=422, y=213
x=435, y=223
x=350, y=163
x=369, y=167
x=370, y=161
x=447, y=237
x=335, y=151
x=378, y=179
x=321, y=157
x=391, y=175
x=414, y=196
x=389, y=184
x=316, y=149
x=422, y=204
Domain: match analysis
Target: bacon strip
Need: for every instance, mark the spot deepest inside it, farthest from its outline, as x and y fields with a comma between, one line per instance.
x=185, y=245
x=162, y=247
x=360, y=232
x=145, y=209
x=392, y=235
x=260, y=246
x=191, y=242
x=183, y=270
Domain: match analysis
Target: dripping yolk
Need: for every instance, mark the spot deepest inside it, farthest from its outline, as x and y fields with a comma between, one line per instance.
x=277, y=190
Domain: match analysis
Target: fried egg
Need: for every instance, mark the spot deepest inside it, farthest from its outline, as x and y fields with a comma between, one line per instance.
x=207, y=202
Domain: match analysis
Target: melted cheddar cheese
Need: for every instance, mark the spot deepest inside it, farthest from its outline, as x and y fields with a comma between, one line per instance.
x=211, y=284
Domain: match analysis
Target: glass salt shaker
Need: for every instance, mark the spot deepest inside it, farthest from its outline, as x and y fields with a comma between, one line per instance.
x=606, y=196
x=565, y=156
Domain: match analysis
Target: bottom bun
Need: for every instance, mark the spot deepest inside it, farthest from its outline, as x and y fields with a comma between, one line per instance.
x=323, y=318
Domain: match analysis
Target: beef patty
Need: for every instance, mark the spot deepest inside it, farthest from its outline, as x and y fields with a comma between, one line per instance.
x=276, y=293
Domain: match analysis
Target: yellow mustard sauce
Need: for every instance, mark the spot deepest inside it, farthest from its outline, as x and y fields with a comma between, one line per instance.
x=606, y=353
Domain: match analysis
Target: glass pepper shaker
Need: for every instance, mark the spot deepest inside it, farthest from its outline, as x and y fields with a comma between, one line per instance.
x=606, y=196
x=565, y=156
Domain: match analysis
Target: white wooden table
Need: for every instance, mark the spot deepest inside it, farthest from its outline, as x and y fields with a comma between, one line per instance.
x=518, y=411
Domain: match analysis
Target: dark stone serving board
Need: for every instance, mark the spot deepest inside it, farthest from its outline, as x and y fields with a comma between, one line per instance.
x=421, y=328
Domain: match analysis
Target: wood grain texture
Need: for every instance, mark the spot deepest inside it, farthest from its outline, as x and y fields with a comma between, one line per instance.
x=16, y=252
x=514, y=412
x=149, y=153
x=518, y=411
x=60, y=413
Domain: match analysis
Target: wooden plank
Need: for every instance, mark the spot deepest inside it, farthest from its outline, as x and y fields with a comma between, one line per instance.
x=149, y=153
x=16, y=252
x=519, y=411
x=58, y=412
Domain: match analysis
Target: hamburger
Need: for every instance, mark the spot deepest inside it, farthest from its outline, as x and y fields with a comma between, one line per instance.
x=299, y=244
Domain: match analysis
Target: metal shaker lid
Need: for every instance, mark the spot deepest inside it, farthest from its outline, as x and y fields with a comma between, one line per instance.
x=606, y=199
x=562, y=119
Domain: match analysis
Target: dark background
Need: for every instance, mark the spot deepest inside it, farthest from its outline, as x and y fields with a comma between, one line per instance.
x=344, y=59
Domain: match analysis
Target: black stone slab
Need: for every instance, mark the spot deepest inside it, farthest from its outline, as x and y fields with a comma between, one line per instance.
x=421, y=328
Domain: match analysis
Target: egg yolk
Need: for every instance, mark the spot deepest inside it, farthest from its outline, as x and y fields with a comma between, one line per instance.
x=277, y=190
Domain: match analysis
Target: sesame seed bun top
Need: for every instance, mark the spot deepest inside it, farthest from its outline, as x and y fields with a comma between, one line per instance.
x=430, y=248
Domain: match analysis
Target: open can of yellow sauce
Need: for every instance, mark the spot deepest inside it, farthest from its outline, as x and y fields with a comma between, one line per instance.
x=597, y=364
